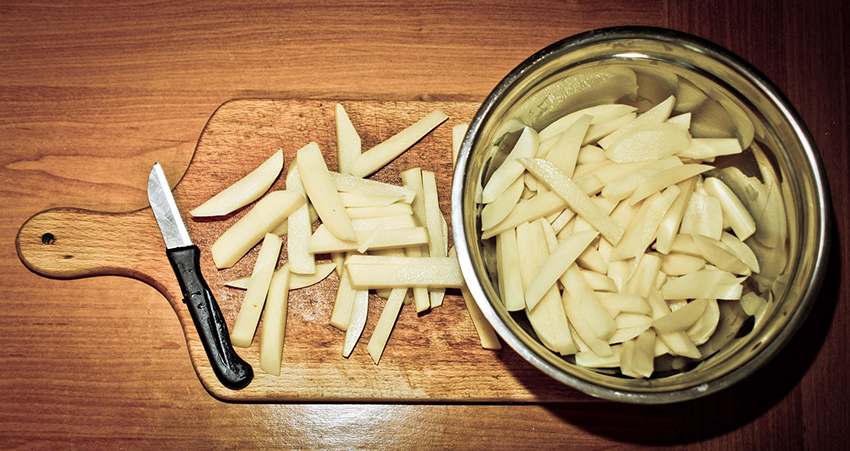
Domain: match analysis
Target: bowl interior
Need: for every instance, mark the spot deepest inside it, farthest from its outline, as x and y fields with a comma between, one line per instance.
x=778, y=177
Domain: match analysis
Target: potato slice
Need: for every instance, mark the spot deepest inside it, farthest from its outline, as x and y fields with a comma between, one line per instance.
x=538, y=207
x=396, y=209
x=357, y=321
x=548, y=319
x=648, y=142
x=555, y=265
x=435, y=222
x=741, y=250
x=682, y=318
x=299, y=229
x=599, y=113
x=494, y=212
x=625, y=185
x=677, y=264
x=243, y=192
x=377, y=157
x=347, y=183
x=274, y=323
x=255, y=297
x=669, y=227
x=584, y=329
x=564, y=153
x=376, y=238
x=270, y=211
x=510, y=281
x=734, y=211
x=511, y=169
x=656, y=115
x=617, y=303
x=322, y=192
x=703, y=216
x=707, y=323
x=707, y=148
x=640, y=361
x=296, y=281
x=371, y=271
x=641, y=232
x=348, y=143
x=590, y=359
x=667, y=178
x=385, y=325
x=356, y=200
x=575, y=197
x=343, y=303
x=716, y=253
x=705, y=283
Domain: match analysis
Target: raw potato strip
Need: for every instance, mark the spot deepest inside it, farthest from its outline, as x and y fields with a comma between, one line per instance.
x=706, y=283
x=511, y=169
x=435, y=225
x=496, y=211
x=667, y=178
x=386, y=238
x=274, y=323
x=656, y=115
x=372, y=271
x=270, y=211
x=648, y=142
x=243, y=192
x=512, y=291
x=485, y=331
x=346, y=183
x=556, y=265
x=344, y=302
x=299, y=229
x=377, y=157
x=625, y=185
x=379, y=338
x=548, y=319
x=564, y=153
x=354, y=200
x=357, y=321
x=296, y=281
x=577, y=199
x=669, y=227
x=641, y=232
x=703, y=216
x=734, y=211
x=599, y=113
x=706, y=148
x=348, y=143
x=535, y=208
x=322, y=192
x=396, y=209
x=255, y=296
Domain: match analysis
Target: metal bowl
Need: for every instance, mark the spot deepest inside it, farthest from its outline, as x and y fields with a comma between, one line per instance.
x=564, y=77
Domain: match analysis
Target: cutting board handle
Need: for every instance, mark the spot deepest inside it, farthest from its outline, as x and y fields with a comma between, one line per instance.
x=68, y=243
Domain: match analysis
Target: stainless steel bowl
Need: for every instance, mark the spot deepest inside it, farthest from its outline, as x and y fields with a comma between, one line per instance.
x=793, y=265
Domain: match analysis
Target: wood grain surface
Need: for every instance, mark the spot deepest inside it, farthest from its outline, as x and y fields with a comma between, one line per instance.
x=92, y=93
x=434, y=356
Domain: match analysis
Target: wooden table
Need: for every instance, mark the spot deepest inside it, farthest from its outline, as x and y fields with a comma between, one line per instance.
x=92, y=93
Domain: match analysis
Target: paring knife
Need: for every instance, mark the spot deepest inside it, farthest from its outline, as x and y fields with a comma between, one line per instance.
x=231, y=370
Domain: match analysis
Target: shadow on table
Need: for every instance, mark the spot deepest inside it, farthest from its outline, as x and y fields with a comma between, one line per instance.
x=729, y=409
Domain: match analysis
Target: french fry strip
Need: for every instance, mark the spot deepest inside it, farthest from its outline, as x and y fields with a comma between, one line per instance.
x=274, y=323
x=322, y=192
x=377, y=157
x=575, y=197
x=243, y=192
x=386, y=322
x=370, y=271
x=270, y=211
x=255, y=296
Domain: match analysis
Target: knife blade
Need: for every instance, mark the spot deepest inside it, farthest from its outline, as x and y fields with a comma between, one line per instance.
x=231, y=370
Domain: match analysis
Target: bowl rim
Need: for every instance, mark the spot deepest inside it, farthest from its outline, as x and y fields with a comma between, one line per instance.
x=745, y=69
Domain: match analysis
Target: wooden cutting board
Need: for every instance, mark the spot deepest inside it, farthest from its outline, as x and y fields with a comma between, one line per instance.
x=433, y=357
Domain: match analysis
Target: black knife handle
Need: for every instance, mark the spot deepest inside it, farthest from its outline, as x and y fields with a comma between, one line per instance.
x=232, y=371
